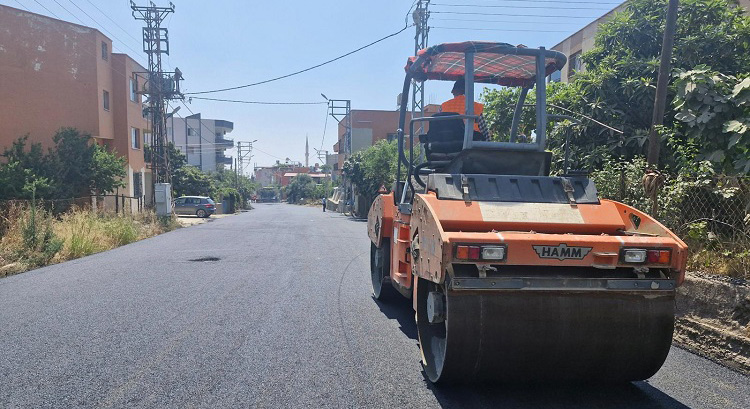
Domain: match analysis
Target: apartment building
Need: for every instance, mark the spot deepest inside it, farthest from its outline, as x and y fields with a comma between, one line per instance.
x=57, y=74
x=202, y=141
x=583, y=40
x=368, y=127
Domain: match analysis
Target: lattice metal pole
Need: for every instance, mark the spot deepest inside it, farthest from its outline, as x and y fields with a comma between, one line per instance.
x=160, y=87
x=420, y=16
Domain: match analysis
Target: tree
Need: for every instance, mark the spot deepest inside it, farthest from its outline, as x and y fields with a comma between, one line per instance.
x=618, y=85
x=715, y=109
x=190, y=181
x=73, y=168
x=372, y=168
x=302, y=187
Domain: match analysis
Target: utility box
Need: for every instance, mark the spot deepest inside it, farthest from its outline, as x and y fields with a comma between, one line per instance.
x=163, y=192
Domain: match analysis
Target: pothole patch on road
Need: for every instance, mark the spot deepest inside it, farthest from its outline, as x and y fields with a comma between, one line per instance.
x=206, y=259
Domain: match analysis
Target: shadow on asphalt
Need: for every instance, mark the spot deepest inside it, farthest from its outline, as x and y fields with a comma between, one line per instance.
x=634, y=395
x=401, y=311
x=639, y=395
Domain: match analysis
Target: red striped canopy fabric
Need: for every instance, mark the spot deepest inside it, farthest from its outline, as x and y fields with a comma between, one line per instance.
x=494, y=63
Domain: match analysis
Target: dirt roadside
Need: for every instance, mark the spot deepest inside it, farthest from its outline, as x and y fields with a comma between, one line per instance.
x=713, y=314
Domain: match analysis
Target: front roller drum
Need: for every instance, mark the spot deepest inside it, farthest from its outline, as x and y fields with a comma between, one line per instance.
x=525, y=335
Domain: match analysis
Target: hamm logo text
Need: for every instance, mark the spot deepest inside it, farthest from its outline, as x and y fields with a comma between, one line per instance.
x=562, y=252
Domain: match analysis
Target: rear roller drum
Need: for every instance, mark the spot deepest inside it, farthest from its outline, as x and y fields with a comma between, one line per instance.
x=380, y=271
x=515, y=336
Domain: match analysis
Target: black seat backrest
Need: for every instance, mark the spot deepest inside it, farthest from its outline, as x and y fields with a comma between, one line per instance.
x=444, y=139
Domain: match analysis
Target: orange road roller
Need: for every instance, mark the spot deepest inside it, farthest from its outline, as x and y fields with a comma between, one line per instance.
x=516, y=275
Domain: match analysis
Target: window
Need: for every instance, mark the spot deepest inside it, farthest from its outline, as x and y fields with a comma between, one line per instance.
x=574, y=64
x=146, y=138
x=133, y=90
x=192, y=132
x=135, y=138
x=105, y=51
x=105, y=99
x=391, y=137
x=137, y=184
x=192, y=150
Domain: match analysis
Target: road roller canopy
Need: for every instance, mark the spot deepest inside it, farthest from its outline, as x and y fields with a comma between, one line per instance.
x=494, y=63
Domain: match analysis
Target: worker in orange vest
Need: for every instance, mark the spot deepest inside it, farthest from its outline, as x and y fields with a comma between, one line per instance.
x=458, y=103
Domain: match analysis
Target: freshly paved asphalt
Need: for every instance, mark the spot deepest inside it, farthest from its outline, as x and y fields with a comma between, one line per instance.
x=284, y=318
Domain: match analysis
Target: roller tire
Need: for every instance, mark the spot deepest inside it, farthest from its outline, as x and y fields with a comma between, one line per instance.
x=530, y=337
x=380, y=272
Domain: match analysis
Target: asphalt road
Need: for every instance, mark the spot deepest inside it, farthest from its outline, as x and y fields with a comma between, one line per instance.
x=283, y=318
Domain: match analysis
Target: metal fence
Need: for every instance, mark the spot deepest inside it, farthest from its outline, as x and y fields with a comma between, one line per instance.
x=712, y=216
x=117, y=203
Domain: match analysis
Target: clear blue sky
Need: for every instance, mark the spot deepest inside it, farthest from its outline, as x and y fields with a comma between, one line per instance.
x=223, y=43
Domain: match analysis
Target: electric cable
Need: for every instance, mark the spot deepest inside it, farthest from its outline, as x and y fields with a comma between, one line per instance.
x=114, y=22
x=501, y=21
x=325, y=126
x=467, y=13
x=86, y=50
x=304, y=70
x=102, y=27
x=561, y=1
x=522, y=7
x=498, y=29
x=258, y=102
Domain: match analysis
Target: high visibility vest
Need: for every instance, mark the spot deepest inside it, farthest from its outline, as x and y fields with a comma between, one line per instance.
x=458, y=105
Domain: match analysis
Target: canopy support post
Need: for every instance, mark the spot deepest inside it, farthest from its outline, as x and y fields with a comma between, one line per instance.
x=469, y=96
x=517, y=114
x=541, y=99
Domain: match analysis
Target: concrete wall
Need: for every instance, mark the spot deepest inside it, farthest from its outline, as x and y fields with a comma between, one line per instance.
x=128, y=114
x=54, y=73
x=51, y=76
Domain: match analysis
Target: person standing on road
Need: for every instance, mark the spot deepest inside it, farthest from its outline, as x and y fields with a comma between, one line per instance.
x=324, y=205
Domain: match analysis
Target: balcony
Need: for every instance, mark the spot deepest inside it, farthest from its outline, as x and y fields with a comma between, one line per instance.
x=223, y=160
x=224, y=143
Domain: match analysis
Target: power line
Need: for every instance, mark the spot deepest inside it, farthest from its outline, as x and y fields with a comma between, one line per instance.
x=102, y=26
x=325, y=126
x=304, y=70
x=521, y=7
x=273, y=156
x=562, y=1
x=61, y=32
x=60, y=18
x=259, y=102
x=502, y=21
x=114, y=22
x=509, y=15
x=499, y=29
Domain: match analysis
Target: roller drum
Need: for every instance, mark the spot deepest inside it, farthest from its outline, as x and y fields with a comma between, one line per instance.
x=524, y=335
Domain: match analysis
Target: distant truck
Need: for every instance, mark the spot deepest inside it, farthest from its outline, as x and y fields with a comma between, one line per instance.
x=268, y=194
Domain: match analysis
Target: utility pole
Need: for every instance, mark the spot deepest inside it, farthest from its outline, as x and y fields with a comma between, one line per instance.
x=660, y=100
x=341, y=110
x=420, y=16
x=244, y=154
x=160, y=86
x=653, y=179
x=323, y=158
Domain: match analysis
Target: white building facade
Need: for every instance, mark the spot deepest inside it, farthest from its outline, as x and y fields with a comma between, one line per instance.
x=202, y=141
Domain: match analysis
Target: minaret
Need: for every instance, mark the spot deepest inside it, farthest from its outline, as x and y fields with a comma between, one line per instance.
x=307, y=152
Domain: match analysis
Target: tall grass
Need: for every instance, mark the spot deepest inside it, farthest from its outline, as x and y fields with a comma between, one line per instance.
x=31, y=237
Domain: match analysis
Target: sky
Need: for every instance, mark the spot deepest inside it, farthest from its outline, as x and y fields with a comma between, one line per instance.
x=224, y=43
